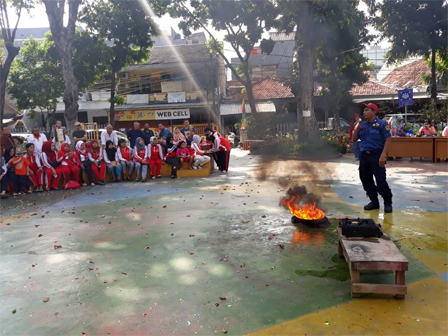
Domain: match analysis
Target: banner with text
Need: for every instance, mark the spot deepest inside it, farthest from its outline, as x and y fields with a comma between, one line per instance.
x=152, y=115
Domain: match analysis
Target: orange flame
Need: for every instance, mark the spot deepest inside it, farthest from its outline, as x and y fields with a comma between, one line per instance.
x=306, y=211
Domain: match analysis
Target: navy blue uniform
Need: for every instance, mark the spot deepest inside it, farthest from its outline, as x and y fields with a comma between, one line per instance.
x=373, y=136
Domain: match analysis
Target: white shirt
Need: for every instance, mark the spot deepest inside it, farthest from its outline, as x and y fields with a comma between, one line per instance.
x=445, y=132
x=112, y=137
x=37, y=142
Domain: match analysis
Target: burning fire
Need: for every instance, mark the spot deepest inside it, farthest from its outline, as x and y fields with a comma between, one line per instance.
x=306, y=211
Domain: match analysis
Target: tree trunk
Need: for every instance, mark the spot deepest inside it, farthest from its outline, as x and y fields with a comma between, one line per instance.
x=306, y=57
x=433, y=75
x=113, y=83
x=4, y=73
x=63, y=39
x=250, y=96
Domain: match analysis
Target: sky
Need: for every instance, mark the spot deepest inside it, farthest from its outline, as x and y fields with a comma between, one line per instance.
x=37, y=18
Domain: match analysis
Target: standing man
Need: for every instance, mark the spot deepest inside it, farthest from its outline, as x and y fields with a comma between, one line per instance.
x=147, y=134
x=109, y=134
x=79, y=134
x=6, y=139
x=37, y=140
x=135, y=133
x=164, y=133
x=188, y=131
x=59, y=134
x=375, y=139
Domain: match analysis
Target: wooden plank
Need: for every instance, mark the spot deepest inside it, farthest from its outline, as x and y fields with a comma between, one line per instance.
x=411, y=147
x=358, y=288
x=440, y=148
x=371, y=249
x=380, y=266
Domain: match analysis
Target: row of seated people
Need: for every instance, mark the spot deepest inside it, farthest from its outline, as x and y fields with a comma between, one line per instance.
x=31, y=171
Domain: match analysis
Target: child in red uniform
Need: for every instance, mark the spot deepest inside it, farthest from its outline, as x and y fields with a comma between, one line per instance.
x=36, y=167
x=95, y=155
x=52, y=167
x=141, y=158
x=155, y=156
x=171, y=156
x=23, y=171
x=125, y=155
x=70, y=163
x=184, y=153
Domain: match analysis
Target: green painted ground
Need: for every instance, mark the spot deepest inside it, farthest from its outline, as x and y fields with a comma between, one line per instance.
x=190, y=260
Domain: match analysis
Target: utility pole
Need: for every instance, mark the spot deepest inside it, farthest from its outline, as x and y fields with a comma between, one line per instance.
x=208, y=90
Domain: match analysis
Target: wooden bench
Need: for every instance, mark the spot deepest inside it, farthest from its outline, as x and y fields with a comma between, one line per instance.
x=374, y=254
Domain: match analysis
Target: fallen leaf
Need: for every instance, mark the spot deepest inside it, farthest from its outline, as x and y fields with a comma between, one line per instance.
x=146, y=248
x=217, y=304
x=242, y=265
x=164, y=206
x=124, y=273
x=46, y=299
x=90, y=269
x=222, y=298
x=281, y=246
x=264, y=216
x=102, y=216
x=36, y=225
x=189, y=252
x=191, y=235
x=57, y=246
x=97, y=275
x=40, y=235
x=224, y=330
x=105, y=281
x=14, y=311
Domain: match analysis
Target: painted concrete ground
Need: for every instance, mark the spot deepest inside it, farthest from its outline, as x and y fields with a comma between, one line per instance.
x=202, y=256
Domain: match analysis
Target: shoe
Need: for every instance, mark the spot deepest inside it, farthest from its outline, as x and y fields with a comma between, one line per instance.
x=159, y=176
x=195, y=167
x=143, y=180
x=388, y=205
x=374, y=203
x=92, y=184
x=84, y=184
x=14, y=194
x=136, y=180
x=101, y=182
x=153, y=177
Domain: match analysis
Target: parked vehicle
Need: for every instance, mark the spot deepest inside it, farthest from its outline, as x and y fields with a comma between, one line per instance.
x=344, y=124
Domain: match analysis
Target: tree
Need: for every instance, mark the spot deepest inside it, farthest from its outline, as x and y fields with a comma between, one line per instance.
x=414, y=28
x=131, y=45
x=328, y=37
x=63, y=38
x=243, y=22
x=36, y=80
x=441, y=68
x=339, y=62
x=8, y=34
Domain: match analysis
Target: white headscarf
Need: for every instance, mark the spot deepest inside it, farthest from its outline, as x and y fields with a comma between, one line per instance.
x=151, y=140
x=78, y=147
x=197, y=139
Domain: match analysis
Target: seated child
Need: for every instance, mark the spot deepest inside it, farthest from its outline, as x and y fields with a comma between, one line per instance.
x=184, y=154
x=23, y=173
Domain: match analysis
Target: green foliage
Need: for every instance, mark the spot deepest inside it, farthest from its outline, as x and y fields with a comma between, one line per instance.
x=413, y=28
x=126, y=25
x=243, y=23
x=118, y=100
x=214, y=46
x=35, y=79
x=436, y=113
x=441, y=68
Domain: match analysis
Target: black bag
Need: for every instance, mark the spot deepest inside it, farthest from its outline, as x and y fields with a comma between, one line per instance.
x=54, y=164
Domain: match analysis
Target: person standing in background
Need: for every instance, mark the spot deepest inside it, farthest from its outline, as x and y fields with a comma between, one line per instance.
x=79, y=134
x=6, y=139
x=375, y=140
x=188, y=130
x=147, y=134
x=59, y=134
x=135, y=133
x=109, y=135
x=37, y=139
